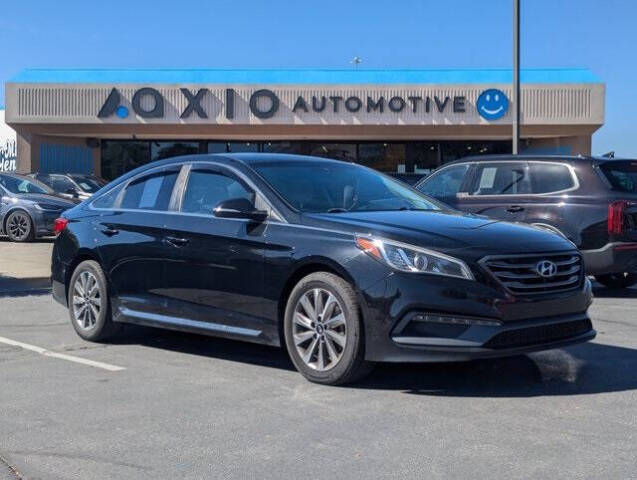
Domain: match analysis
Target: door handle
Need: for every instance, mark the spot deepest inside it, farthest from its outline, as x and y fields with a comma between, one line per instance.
x=109, y=232
x=515, y=209
x=176, y=241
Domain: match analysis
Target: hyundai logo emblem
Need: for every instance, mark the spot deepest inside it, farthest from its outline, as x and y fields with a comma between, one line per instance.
x=546, y=269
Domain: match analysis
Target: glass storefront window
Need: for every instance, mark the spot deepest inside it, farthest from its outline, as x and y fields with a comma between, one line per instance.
x=217, y=147
x=121, y=156
x=239, y=147
x=386, y=157
x=297, y=148
x=407, y=160
x=423, y=157
x=454, y=150
x=337, y=151
x=161, y=150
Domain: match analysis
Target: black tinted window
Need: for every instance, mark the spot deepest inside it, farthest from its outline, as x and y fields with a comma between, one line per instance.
x=88, y=184
x=206, y=189
x=150, y=193
x=60, y=183
x=446, y=183
x=501, y=179
x=621, y=175
x=550, y=177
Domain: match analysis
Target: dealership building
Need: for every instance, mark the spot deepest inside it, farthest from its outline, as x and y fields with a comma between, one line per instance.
x=107, y=122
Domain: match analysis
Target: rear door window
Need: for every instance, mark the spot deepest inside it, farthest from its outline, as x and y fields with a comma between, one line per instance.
x=152, y=192
x=501, y=179
x=550, y=177
x=621, y=175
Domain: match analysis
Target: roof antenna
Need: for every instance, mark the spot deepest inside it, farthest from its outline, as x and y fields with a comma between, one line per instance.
x=610, y=154
x=356, y=61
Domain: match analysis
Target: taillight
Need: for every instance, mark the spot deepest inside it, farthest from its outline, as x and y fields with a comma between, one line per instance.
x=59, y=224
x=616, y=213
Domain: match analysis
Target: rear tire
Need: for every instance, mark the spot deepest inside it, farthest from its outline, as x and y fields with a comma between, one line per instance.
x=617, y=280
x=89, y=305
x=324, y=332
x=19, y=227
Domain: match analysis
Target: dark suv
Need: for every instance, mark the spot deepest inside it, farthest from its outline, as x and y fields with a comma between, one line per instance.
x=591, y=201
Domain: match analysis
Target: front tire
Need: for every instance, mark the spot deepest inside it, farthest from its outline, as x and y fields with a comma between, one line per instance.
x=617, y=280
x=89, y=306
x=324, y=332
x=19, y=227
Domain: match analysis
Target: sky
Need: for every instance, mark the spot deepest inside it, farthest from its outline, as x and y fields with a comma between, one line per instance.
x=596, y=34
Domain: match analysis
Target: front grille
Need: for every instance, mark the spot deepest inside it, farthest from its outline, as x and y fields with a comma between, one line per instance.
x=541, y=334
x=519, y=274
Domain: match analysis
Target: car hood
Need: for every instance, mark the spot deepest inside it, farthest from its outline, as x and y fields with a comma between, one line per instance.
x=46, y=198
x=465, y=235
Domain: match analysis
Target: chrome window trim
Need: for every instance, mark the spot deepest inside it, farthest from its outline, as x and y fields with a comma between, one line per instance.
x=184, y=170
x=575, y=186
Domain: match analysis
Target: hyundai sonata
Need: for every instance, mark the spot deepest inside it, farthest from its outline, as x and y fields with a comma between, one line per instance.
x=341, y=265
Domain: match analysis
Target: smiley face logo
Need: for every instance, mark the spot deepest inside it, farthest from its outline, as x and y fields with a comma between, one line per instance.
x=492, y=104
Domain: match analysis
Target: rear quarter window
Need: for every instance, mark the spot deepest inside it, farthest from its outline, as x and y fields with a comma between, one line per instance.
x=621, y=175
x=152, y=192
x=107, y=200
x=550, y=177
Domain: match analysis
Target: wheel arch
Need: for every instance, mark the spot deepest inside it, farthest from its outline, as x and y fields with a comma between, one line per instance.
x=303, y=269
x=8, y=213
x=82, y=255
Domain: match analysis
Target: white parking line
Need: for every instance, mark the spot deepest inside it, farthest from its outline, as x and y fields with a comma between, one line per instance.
x=62, y=356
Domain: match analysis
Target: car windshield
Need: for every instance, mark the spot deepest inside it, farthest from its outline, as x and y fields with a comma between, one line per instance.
x=328, y=186
x=88, y=184
x=23, y=185
x=621, y=175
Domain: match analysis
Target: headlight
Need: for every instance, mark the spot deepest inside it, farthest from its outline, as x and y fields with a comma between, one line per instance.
x=412, y=259
x=47, y=207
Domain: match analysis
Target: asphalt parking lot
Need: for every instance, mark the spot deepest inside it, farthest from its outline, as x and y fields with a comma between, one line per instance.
x=169, y=405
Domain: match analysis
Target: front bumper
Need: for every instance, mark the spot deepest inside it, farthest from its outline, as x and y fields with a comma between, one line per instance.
x=615, y=257
x=424, y=318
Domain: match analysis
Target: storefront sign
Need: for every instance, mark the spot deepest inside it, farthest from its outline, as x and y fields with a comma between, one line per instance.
x=492, y=104
x=7, y=146
x=263, y=103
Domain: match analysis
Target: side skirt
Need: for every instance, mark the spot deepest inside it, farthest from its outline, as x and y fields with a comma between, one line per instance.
x=149, y=319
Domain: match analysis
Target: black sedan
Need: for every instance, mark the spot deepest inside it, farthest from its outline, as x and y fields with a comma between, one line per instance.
x=336, y=262
x=28, y=208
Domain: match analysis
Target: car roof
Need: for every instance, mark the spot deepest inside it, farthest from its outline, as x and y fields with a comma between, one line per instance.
x=251, y=158
x=16, y=175
x=537, y=158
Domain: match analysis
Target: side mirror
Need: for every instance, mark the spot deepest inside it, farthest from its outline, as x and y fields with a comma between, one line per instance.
x=73, y=191
x=239, y=208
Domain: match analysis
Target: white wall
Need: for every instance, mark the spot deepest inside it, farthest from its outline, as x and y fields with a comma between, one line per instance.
x=7, y=146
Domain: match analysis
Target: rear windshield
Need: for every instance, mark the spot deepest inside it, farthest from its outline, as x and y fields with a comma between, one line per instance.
x=621, y=175
x=88, y=184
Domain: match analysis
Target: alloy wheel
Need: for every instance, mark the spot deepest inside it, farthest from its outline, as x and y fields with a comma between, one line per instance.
x=19, y=226
x=319, y=329
x=86, y=300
